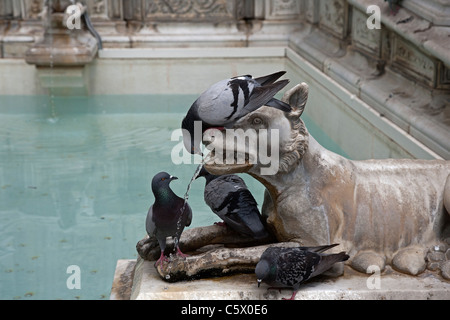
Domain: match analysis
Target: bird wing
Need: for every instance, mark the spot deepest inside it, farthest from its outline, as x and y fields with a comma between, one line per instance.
x=214, y=105
x=319, y=248
x=219, y=189
x=295, y=266
x=230, y=199
x=188, y=211
x=149, y=223
x=243, y=215
x=269, y=79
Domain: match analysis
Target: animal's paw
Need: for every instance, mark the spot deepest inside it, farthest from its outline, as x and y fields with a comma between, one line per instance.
x=410, y=260
x=365, y=260
x=148, y=248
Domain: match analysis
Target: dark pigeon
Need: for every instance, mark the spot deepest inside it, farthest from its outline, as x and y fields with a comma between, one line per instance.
x=230, y=199
x=393, y=6
x=228, y=100
x=165, y=217
x=290, y=267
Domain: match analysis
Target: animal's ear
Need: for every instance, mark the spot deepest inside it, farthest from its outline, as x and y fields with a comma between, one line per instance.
x=297, y=97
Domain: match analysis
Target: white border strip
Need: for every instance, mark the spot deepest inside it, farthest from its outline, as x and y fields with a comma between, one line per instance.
x=187, y=53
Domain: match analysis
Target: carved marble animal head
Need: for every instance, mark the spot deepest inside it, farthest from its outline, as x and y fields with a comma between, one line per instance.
x=264, y=142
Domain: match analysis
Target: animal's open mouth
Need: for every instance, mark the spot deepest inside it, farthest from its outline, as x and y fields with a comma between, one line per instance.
x=221, y=160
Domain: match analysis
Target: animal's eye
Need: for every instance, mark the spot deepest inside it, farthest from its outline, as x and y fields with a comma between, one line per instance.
x=162, y=179
x=257, y=121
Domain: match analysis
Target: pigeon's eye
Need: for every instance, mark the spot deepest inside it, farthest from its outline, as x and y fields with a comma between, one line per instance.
x=162, y=179
x=257, y=121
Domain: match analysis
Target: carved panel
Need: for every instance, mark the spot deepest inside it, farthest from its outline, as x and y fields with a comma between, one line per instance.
x=98, y=9
x=311, y=11
x=31, y=9
x=409, y=60
x=105, y=9
x=444, y=77
x=192, y=10
x=6, y=9
x=282, y=9
x=333, y=16
x=369, y=40
x=132, y=9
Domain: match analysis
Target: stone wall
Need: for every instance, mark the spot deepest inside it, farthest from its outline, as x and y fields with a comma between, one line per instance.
x=402, y=69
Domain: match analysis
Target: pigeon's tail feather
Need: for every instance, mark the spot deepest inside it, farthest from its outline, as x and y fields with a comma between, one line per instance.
x=269, y=79
x=328, y=260
x=262, y=95
x=319, y=249
x=278, y=104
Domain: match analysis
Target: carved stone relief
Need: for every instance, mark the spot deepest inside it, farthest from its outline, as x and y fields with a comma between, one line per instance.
x=31, y=9
x=192, y=10
x=311, y=9
x=413, y=62
x=6, y=9
x=333, y=16
x=282, y=9
x=369, y=40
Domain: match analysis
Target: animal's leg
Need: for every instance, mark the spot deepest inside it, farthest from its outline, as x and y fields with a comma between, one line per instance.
x=195, y=238
x=216, y=262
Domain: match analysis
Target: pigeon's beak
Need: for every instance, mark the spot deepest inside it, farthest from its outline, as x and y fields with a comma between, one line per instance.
x=173, y=178
x=259, y=282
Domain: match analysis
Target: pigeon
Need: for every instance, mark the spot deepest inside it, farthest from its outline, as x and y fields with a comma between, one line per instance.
x=291, y=267
x=228, y=100
x=392, y=6
x=168, y=215
x=229, y=198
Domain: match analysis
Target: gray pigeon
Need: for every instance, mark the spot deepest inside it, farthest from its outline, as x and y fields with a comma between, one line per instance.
x=165, y=217
x=228, y=100
x=290, y=267
x=229, y=198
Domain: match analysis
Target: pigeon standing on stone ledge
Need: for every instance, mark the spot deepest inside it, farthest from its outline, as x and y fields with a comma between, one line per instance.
x=290, y=267
x=393, y=6
x=228, y=100
x=168, y=215
x=229, y=198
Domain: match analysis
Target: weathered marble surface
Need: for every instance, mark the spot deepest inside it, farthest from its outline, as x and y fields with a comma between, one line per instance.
x=393, y=286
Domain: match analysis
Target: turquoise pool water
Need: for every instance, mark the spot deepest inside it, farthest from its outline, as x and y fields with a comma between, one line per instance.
x=75, y=186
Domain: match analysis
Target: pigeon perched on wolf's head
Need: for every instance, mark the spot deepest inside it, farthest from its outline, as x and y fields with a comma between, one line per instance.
x=229, y=198
x=290, y=267
x=165, y=217
x=222, y=104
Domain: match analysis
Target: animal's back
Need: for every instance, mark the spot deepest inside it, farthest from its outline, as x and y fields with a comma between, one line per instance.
x=396, y=203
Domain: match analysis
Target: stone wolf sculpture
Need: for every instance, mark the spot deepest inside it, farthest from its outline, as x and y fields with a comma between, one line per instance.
x=380, y=211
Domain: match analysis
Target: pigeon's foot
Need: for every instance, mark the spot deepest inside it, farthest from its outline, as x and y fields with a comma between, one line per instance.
x=278, y=288
x=161, y=259
x=292, y=297
x=221, y=224
x=181, y=254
